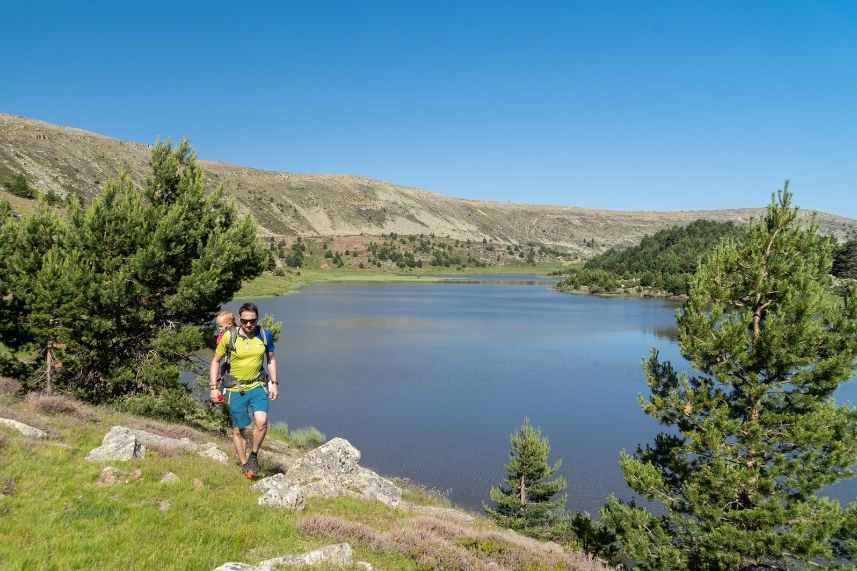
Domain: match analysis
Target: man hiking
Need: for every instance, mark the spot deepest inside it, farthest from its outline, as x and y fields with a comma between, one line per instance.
x=246, y=347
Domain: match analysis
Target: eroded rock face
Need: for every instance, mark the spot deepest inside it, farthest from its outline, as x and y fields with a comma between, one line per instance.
x=24, y=429
x=330, y=471
x=118, y=444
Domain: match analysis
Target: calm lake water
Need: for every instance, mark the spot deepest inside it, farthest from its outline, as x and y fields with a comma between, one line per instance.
x=429, y=380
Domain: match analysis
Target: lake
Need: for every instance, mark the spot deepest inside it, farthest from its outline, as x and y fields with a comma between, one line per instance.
x=429, y=380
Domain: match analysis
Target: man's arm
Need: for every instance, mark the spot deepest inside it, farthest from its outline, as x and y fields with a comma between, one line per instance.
x=273, y=383
x=213, y=393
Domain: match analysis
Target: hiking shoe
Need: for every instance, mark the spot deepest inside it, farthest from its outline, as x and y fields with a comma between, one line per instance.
x=251, y=468
x=247, y=472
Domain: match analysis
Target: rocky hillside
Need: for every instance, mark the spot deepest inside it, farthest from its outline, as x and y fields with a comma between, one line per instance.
x=64, y=160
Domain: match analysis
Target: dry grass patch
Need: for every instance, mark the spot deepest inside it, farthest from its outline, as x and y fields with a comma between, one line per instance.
x=54, y=404
x=28, y=418
x=10, y=386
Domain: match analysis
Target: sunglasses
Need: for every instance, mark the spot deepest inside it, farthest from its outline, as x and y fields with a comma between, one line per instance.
x=248, y=321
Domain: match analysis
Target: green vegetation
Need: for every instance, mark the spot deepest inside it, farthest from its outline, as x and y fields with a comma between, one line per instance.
x=757, y=435
x=845, y=260
x=17, y=185
x=308, y=437
x=663, y=262
x=272, y=284
x=532, y=497
x=110, y=300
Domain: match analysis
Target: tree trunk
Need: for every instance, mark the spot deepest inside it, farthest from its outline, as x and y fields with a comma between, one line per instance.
x=49, y=388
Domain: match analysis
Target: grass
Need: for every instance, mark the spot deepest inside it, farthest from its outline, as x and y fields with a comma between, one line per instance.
x=56, y=513
x=271, y=285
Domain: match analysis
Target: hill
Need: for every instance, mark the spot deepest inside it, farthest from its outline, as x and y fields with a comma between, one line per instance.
x=63, y=160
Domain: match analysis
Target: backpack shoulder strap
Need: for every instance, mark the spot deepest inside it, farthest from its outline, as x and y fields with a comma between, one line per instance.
x=233, y=336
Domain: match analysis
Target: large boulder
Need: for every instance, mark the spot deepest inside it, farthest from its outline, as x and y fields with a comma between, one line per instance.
x=331, y=470
x=118, y=444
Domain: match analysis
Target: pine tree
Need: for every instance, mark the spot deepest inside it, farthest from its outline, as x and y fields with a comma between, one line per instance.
x=123, y=291
x=529, y=500
x=756, y=435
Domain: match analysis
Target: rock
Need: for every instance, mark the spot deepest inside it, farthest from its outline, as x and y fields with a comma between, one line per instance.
x=244, y=567
x=170, y=478
x=331, y=470
x=118, y=444
x=24, y=429
x=277, y=492
x=162, y=442
x=368, y=484
x=365, y=565
x=197, y=484
x=109, y=476
x=214, y=453
x=336, y=554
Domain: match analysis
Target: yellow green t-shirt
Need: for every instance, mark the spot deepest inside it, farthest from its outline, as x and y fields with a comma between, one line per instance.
x=247, y=357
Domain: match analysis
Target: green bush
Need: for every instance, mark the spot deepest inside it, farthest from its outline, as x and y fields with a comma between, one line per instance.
x=175, y=405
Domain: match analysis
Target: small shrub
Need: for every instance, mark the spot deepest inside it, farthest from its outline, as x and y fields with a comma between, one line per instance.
x=170, y=404
x=10, y=386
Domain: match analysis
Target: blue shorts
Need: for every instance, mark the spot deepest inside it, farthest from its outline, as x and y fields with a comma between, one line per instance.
x=256, y=399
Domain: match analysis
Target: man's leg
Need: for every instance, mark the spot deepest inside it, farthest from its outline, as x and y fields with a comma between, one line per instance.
x=259, y=404
x=240, y=444
x=260, y=429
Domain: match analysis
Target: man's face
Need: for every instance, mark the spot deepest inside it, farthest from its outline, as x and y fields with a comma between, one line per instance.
x=248, y=321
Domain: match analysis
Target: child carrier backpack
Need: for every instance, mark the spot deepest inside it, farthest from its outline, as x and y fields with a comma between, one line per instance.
x=226, y=379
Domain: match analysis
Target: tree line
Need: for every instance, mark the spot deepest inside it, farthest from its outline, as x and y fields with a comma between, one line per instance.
x=750, y=441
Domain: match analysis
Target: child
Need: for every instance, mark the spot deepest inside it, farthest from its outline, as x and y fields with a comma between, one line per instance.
x=224, y=320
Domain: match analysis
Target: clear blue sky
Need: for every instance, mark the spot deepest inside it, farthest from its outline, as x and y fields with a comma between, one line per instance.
x=637, y=105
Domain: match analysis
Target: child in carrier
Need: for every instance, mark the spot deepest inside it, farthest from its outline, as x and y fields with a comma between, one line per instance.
x=224, y=320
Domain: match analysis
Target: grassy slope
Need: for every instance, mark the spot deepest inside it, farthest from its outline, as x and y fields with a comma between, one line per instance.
x=54, y=513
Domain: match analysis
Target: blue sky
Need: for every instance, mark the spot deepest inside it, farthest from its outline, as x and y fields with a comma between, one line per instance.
x=637, y=105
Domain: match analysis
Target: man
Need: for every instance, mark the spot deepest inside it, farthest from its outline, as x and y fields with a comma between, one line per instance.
x=246, y=365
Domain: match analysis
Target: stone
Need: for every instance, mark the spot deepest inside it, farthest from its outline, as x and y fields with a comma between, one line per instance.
x=162, y=442
x=24, y=429
x=118, y=444
x=244, y=567
x=109, y=476
x=331, y=470
x=197, y=484
x=170, y=478
x=278, y=493
x=212, y=452
x=337, y=554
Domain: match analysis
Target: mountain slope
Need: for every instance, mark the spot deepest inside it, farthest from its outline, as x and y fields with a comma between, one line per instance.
x=63, y=160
